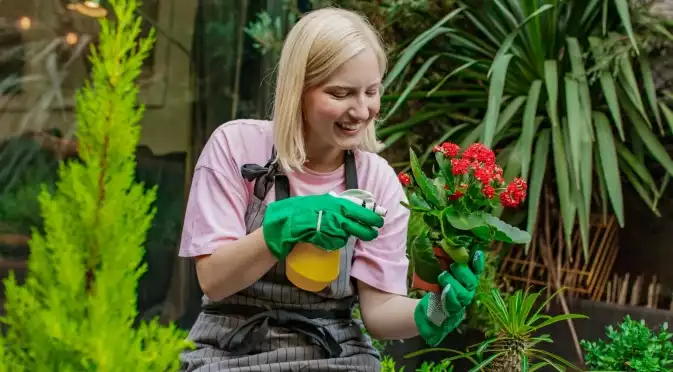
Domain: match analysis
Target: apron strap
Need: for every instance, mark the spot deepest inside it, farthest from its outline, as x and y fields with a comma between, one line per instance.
x=270, y=174
x=351, y=171
x=265, y=177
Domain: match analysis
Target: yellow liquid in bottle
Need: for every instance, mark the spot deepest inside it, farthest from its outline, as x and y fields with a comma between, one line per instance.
x=311, y=268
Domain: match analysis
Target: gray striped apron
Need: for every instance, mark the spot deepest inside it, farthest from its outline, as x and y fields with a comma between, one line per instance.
x=274, y=326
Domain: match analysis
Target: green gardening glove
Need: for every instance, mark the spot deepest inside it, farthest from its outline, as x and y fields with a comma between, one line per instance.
x=325, y=221
x=438, y=314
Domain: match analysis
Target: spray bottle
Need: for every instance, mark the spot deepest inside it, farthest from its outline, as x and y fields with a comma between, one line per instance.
x=312, y=269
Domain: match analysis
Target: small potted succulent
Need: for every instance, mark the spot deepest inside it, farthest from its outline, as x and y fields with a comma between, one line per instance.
x=451, y=210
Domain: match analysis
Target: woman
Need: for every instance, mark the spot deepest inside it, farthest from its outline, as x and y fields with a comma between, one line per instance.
x=260, y=187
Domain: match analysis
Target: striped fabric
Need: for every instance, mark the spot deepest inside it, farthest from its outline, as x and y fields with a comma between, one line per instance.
x=283, y=350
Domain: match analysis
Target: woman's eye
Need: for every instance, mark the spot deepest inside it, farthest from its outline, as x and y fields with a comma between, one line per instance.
x=339, y=94
x=372, y=92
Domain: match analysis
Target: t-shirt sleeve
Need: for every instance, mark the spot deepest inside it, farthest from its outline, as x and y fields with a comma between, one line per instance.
x=382, y=263
x=217, y=201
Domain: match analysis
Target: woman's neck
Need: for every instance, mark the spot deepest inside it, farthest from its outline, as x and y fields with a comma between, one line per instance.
x=323, y=159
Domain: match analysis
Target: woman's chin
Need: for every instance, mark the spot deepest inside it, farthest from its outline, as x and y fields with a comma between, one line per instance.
x=349, y=139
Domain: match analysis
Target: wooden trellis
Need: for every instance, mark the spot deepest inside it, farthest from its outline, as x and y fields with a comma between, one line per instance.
x=581, y=277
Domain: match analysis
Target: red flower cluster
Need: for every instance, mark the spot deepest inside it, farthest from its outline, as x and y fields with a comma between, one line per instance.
x=448, y=149
x=404, y=179
x=514, y=194
x=479, y=161
x=480, y=153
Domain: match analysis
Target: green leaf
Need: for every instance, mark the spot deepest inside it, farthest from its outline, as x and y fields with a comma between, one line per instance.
x=504, y=232
x=563, y=187
x=625, y=16
x=640, y=189
x=579, y=75
x=630, y=86
x=608, y=85
x=417, y=201
x=551, y=82
x=463, y=221
x=457, y=71
x=496, y=88
x=424, y=183
x=637, y=166
x=410, y=86
x=649, y=139
x=668, y=114
x=425, y=263
x=609, y=168
x=575, y=126
x=650, y=91
x=457, y=252
x=528, y=130
x=537, y=179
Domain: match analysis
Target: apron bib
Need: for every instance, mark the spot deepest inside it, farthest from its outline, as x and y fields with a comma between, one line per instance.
x=274, y=326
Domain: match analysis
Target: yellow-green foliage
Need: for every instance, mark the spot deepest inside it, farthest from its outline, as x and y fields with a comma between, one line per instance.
x=76, y=310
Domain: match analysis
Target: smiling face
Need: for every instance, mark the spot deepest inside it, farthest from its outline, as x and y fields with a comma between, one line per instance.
x=337, y=112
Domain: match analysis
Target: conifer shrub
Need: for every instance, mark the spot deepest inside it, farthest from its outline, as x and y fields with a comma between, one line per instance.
x=77, y=307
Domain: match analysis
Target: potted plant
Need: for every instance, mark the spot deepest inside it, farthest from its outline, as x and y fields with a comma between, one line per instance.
x=451, y=211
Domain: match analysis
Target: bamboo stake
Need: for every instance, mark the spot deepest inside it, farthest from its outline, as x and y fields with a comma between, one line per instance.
x=657, y=292
x=635, y=292
x=650, y=292
x=624, y=290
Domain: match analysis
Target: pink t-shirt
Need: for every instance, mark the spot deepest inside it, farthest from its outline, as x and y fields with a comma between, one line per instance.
x=219, y=197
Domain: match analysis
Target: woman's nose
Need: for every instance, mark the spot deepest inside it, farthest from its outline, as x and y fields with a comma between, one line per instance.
x=360, y=111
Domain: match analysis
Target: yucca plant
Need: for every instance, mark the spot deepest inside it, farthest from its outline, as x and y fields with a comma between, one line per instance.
x=515, y=347
x=564, y=82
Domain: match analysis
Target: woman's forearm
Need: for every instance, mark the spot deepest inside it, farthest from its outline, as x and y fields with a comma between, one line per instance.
x=387, y=316
x=234, y=266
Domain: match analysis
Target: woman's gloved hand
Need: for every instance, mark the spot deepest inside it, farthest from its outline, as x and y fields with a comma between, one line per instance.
x=325, y=221
x=438, y=314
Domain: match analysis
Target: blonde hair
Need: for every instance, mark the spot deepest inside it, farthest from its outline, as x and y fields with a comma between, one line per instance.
x=314, y=48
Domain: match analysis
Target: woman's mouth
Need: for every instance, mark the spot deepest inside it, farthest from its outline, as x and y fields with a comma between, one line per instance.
x=349, y=128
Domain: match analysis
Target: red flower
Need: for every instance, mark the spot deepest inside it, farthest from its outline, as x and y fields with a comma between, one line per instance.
x=514, y=194
x=520, y=184
x=488, y=191
x=449, y=149
x=497, y=175
x=459, y=166
x=507, y=200
x=404, y=179
x=456, y=195
x=481, y=153
x=484, y=175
